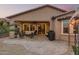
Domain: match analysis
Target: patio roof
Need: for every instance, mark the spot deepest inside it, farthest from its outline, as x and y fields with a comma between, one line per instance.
x=63, y=14
x=72, y=11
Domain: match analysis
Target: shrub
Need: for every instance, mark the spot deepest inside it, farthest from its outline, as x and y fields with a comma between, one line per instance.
x=4, y=28
x=76, y=50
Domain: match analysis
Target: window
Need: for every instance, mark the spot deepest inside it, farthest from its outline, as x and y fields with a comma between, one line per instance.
x=26, y=27
x=65, y=26
x=32, y=27
x=73, y=29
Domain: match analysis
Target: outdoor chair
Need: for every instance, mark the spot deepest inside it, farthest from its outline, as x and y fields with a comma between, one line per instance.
x=34, y=34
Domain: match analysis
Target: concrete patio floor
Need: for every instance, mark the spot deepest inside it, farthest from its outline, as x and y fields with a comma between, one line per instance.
x=40, y=46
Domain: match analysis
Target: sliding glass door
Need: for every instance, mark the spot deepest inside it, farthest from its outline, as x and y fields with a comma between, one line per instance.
x=42, y=28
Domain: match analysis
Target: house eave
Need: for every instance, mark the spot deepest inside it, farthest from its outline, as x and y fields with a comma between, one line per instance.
x=54, y=17
x=35, y=10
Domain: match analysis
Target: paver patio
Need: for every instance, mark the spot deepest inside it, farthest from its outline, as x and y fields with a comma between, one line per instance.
x=28, y=46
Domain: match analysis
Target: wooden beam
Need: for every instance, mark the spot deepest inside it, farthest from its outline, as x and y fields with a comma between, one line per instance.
x=67, y=18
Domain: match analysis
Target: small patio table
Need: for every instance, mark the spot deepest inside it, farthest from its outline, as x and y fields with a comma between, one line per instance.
x=29, y=33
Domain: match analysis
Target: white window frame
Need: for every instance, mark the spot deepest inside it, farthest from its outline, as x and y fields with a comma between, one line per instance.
x=62, y=29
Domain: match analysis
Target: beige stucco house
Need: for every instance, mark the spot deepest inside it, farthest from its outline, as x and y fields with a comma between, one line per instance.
x=43, y=19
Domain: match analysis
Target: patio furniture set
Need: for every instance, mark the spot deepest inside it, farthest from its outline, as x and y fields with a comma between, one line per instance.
x=30, y=34
x=50, y=35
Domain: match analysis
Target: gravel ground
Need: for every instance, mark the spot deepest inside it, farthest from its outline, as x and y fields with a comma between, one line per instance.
x=28, y=46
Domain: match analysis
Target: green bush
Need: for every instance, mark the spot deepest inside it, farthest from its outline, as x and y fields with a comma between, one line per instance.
x=4, y=28
x=76, y=50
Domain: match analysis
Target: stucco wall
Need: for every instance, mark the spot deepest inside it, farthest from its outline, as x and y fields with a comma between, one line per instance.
x=58, y=29
x=43, y=14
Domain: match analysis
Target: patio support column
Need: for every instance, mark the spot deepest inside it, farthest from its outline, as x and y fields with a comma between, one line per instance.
x=71, y=35
x=71, y=30
x=12, y=28
x=51, y=26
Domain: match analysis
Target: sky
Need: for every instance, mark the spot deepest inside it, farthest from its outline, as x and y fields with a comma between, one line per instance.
x=11, y=9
